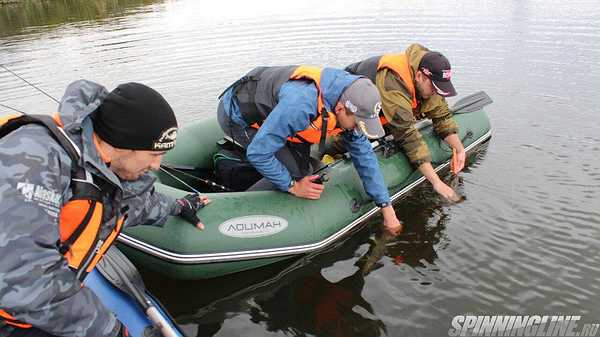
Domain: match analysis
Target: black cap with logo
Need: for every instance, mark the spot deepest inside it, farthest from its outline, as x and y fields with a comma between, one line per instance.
x=436, y=66
x=136, y=117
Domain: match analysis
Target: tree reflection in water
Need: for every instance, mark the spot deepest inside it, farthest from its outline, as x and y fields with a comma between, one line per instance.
x=34, y=15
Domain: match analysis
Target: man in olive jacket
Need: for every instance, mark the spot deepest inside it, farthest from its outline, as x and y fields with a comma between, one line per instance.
x=413, y=86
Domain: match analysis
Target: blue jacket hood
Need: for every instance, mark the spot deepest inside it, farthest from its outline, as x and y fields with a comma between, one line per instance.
x=333, y=83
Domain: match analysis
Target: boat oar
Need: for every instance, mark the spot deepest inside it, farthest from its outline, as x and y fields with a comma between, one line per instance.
x=467, y=104
x=119, y=271
x=473, y=102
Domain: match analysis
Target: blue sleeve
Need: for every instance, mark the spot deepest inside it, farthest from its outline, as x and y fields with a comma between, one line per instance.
x=297, y=105
x=367, y=166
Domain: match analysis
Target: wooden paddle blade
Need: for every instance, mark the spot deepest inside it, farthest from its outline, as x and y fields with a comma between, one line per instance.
x=471, y=103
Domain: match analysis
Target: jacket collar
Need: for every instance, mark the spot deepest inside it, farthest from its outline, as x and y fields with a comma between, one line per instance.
x=91, y=156
x=81, y=98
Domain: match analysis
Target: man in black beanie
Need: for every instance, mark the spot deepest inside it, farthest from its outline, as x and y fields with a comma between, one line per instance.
x=137, y=127
x=136, y=117
x=70, y=184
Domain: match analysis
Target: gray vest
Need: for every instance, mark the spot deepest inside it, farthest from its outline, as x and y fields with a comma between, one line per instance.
x=257, y=92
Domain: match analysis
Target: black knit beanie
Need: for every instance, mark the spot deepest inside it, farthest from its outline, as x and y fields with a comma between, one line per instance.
x=136, y=117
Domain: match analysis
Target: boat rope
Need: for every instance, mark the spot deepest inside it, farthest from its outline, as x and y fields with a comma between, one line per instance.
x=31, y=84
x=210, y=183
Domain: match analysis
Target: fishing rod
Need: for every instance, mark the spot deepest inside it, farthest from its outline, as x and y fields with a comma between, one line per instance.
x=164, y=167
x=14, y=109
x=31, y=84
x=384, y=143
x=208, y=182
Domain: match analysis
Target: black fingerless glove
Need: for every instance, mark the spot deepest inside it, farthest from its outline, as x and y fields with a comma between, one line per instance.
x=190, y=204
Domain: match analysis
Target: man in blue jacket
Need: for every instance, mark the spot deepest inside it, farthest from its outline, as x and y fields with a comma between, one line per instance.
x=277, y=113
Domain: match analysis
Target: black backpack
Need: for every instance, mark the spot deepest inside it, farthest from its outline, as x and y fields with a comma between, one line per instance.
x=233, y=170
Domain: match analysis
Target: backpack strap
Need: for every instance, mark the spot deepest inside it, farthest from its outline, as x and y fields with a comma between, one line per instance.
x=55, y=131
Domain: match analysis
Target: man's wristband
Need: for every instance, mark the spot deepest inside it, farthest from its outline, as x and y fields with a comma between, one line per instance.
x=383, y=204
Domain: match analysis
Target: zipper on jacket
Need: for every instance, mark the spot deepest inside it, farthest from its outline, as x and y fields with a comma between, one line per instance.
x=81, y=271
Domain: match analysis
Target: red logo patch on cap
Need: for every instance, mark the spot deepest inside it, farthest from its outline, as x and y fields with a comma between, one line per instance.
x=447, y=74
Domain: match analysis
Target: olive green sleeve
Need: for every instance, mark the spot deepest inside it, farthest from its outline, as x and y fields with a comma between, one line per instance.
x=397, y=108
x=436, y=109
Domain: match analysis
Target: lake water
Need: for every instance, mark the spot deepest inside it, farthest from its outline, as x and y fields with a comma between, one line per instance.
x=527, y=239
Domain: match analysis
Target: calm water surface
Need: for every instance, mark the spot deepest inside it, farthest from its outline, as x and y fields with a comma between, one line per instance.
x=526, y=240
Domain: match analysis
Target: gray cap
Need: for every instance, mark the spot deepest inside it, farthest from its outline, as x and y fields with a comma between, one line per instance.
x=362, y=99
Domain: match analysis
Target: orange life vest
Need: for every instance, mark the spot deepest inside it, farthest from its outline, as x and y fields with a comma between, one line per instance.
x=398, y=63
x=312, y=134
x=81, y=218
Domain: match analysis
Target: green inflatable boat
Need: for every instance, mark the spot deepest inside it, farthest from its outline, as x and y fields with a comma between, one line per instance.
x=246, y=230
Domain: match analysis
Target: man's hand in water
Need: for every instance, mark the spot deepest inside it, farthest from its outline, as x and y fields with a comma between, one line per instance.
x=390, y=221
x=446, y=191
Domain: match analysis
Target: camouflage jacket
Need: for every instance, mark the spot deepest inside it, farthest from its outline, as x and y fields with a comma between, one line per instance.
x=36, y=285
x=396, y=103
